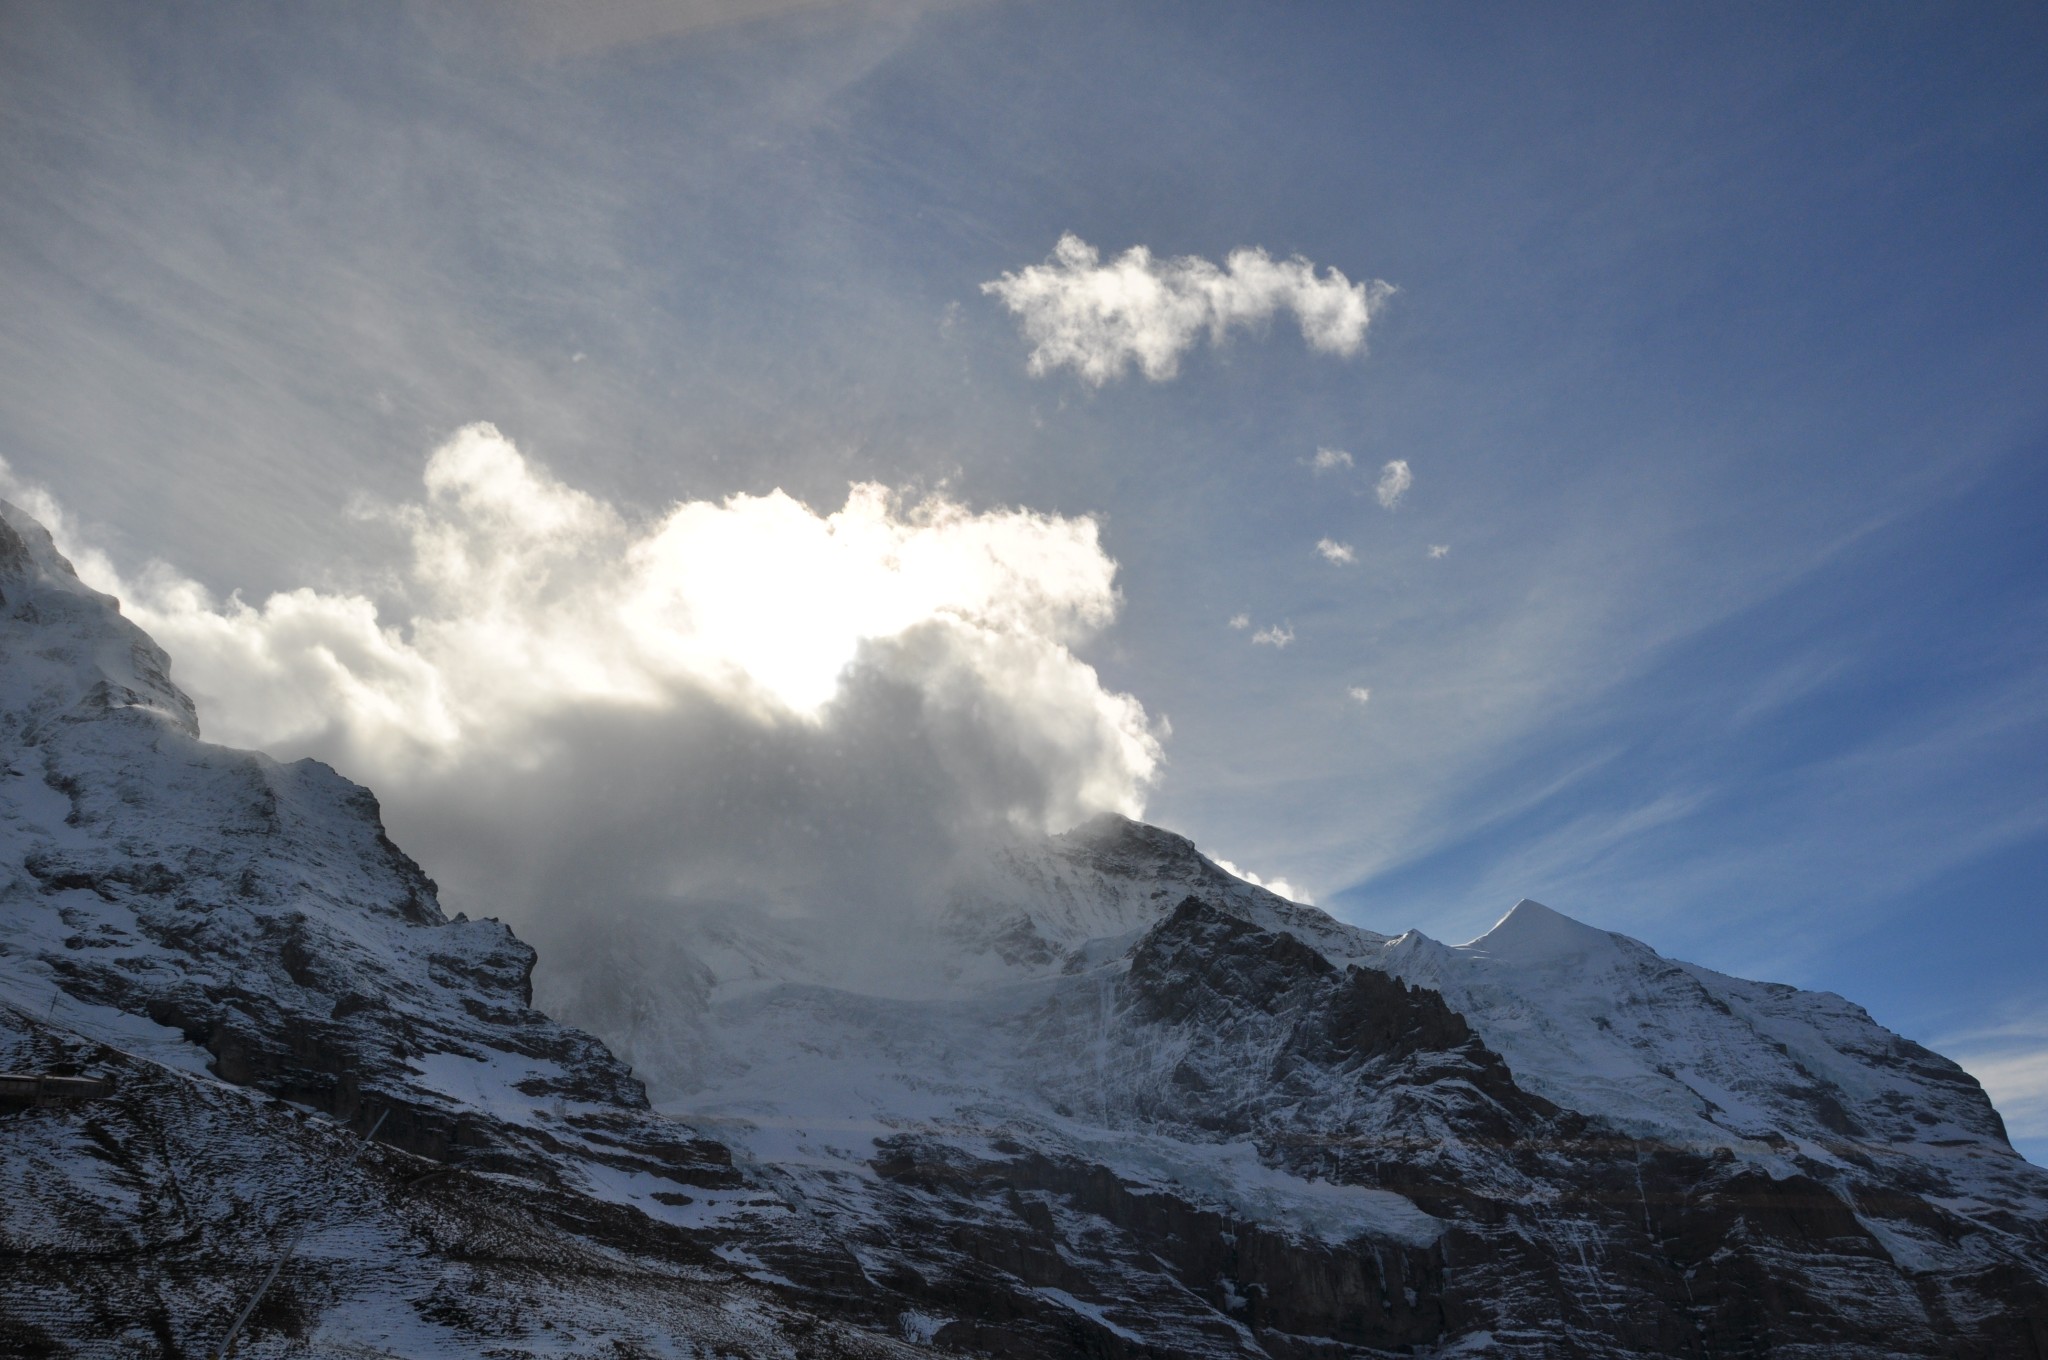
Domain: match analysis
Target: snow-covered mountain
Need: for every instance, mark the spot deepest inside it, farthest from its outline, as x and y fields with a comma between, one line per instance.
x=1125, y=1103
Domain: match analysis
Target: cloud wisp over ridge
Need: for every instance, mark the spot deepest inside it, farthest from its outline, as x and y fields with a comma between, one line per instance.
x=1273, y=885
x=2010, y=1058
x=1098, y=319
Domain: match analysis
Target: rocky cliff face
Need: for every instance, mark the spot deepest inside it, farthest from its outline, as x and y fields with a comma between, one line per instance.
x=1139, y=1107
x=252, y=918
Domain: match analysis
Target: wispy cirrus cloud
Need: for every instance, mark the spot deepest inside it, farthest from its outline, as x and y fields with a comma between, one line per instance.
x=1098, y=319
x=1395, y=479
x=1331, y=460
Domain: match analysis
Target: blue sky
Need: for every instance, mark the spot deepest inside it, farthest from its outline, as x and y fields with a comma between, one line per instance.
x=1716, y=358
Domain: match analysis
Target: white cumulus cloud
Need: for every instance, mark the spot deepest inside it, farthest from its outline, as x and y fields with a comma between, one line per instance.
x=1395, y=479
x=530, y=597
x=1333, y=551
x=1330, y=460
x=1240, y=621
x=1098, y=319
x=1360, y=694
x=1439, y=550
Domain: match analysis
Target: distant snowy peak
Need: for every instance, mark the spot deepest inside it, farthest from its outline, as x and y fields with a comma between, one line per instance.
x=1605, y=1025
x=1532, y=932
x=69, y=652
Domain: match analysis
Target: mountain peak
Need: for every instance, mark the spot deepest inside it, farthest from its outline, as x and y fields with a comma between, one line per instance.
x=1532, y=931
x=85, y=659
x=1114, y=831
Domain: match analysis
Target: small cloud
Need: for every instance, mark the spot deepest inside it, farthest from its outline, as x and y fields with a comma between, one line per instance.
x=1098, y=319
x=1395, y=479
x=1329, y=460
x=1240, y=621
x=1360, y=694
x=1439, y=550
x=1333, y=551
x=1278, y=886
x=1276, y=637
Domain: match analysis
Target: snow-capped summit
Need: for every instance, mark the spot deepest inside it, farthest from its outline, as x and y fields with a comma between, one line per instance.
x=1532, y=932
x=69, y=651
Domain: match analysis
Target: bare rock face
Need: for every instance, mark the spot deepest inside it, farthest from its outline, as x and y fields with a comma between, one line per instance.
x=1143, y=1108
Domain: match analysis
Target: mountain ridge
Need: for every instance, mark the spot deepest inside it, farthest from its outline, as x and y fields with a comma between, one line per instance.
x=1140, y=1108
